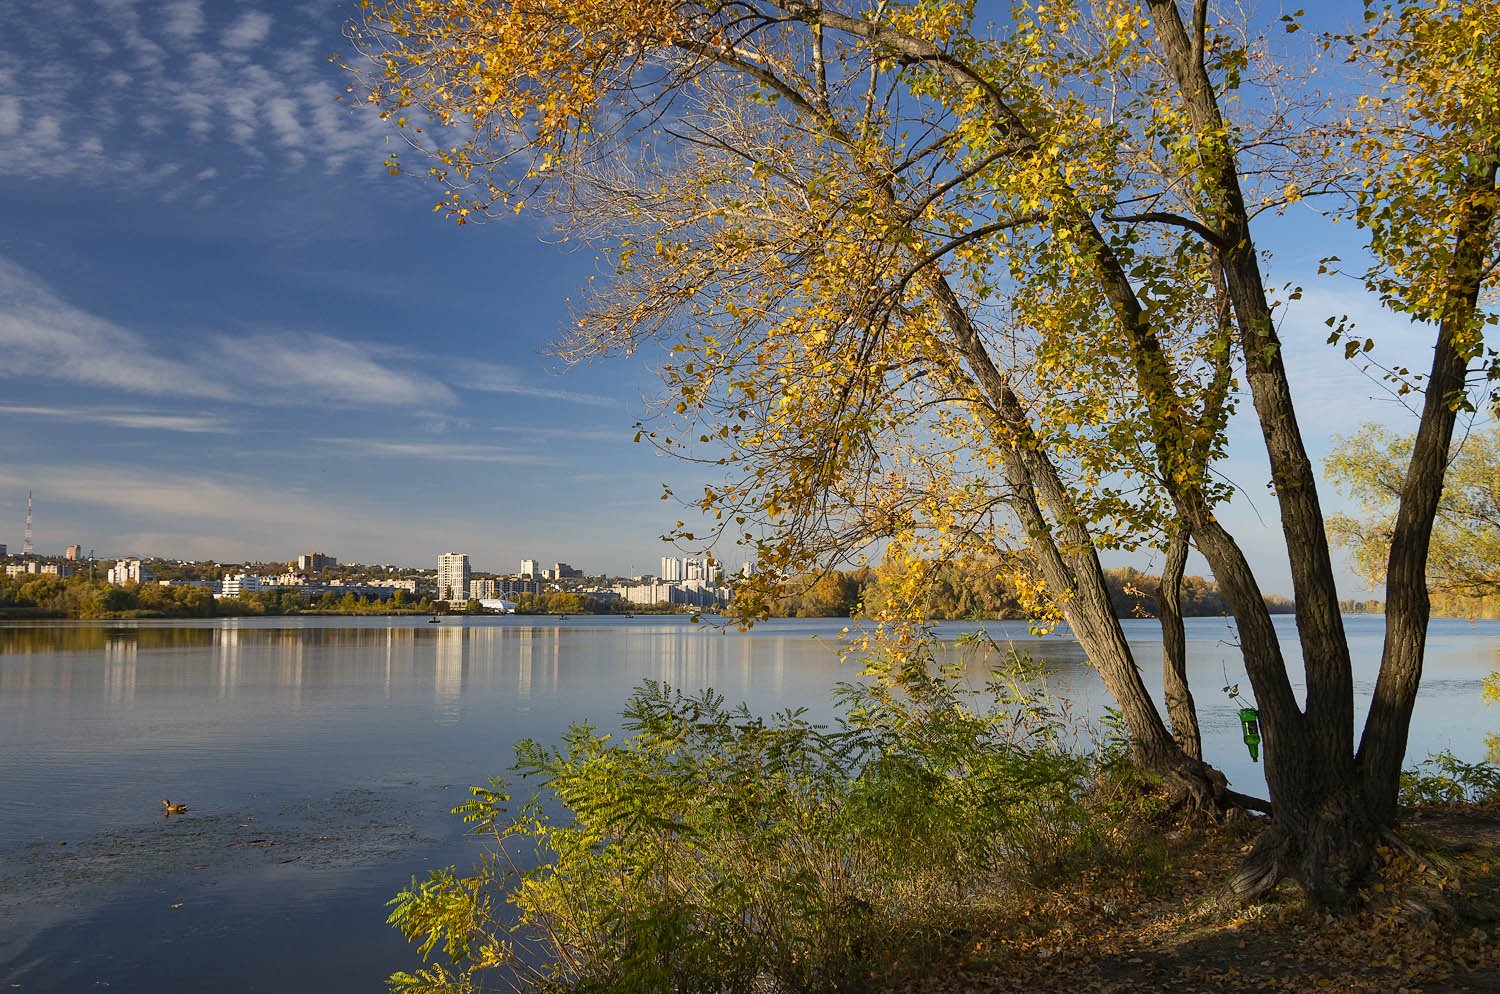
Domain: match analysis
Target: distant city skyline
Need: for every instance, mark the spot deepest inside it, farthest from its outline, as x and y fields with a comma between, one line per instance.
x=230, y=335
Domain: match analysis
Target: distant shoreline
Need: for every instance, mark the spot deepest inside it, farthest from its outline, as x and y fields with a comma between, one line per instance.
x=9, y=614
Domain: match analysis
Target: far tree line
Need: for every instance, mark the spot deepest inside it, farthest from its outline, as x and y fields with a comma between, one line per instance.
x=982, y=590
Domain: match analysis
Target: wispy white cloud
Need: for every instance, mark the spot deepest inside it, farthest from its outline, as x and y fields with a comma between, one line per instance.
x=182, y=20
x=43, y=336
x=490, y=377
x=10, y=115
x=321, y=369
x=144, y=420
x=437, y=451
x=610, y=434
x=204, y=515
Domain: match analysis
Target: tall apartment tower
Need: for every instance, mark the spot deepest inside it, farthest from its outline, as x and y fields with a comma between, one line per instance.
x=671, y=569
x=531, y=568
x=315, y=562
x=453, y=577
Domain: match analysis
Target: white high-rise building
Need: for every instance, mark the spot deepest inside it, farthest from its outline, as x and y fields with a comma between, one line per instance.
x=453, y=577
x=129, y=571
x=671, y=569
x=531, y=568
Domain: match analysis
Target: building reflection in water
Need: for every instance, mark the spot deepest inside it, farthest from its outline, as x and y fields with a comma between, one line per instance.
x=290, y=651
x=120, y=656
x=514, y=664
x=227, y=662
x=448, y=678
x=525, y=661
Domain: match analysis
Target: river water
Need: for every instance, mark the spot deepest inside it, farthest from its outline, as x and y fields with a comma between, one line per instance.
x=319, y=759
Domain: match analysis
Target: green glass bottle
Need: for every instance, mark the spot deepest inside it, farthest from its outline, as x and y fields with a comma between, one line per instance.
x=1250, y=720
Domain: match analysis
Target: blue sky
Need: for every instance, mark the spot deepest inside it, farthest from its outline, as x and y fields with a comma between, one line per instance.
x=226, y=332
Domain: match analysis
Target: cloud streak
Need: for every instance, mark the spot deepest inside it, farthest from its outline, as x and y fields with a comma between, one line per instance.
x=205, y=515
x=489, y=377
x=322, y=369
x=42, y=336
x=143, y=420
x=437, y=451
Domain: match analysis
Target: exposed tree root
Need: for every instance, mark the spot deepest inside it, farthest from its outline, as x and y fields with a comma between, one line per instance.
x=1260, y=872
x=1335, y=860
x=1248, y=802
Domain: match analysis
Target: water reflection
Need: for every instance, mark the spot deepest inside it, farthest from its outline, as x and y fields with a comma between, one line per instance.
x=277, y=730
x=119, y=671
x=67, y=663
x=448, y=671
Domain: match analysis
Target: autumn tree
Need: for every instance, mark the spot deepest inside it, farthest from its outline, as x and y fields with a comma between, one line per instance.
x=1465, y=556
x=957, y=291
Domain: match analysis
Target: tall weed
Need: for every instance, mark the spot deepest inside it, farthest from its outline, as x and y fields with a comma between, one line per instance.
x=1443, y=778
x=712, y=850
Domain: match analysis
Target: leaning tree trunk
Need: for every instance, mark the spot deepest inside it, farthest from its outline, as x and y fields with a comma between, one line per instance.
x=1075, y=577
x=1181, y=710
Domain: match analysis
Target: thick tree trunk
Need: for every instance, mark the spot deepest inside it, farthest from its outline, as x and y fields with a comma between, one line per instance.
x=1383, y=745
x=1330, y=848
x=1181, y=711
x=1324, y=831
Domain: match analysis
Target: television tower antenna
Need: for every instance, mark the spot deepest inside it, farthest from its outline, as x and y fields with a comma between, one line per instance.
x=26, y=542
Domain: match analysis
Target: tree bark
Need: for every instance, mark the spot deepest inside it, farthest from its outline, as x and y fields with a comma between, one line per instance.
x=1383, y=744
x=1181, y=710
x=1324, y=831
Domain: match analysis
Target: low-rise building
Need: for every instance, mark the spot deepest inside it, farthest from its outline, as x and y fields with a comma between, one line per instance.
x=409, y=584
x=696, y=593
x=235, y=584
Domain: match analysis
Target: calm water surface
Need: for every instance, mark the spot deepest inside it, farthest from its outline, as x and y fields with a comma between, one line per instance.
x=320, y=757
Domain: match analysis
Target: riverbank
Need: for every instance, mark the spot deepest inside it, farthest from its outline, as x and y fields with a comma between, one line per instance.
x=1432, y=929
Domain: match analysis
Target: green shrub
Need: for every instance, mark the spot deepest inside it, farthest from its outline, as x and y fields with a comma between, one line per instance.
x=1443, y=778
x=715, y=851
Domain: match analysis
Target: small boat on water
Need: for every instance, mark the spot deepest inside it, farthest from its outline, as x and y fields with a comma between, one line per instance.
x=434, y=620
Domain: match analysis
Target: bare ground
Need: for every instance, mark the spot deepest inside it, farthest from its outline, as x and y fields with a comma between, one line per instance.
x=1431, y=926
